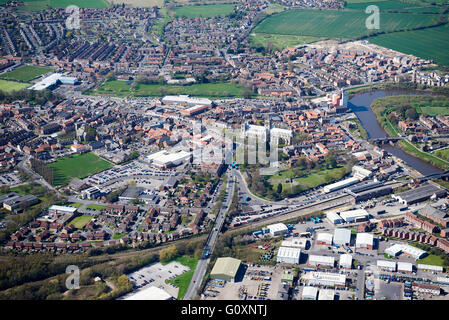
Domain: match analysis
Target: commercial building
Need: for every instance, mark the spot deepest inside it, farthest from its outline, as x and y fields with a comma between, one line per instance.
x=342, y=236
x=186, y=100
x=326, y=294
x=405, y=266
x=345, y=261
x=386, y=265
x=429, y=267
x=18, y=202
x=324, y=238
x=340, y=184
x=372, y=193
x=225, y=269
x=91, y=193
x=334, y=218
x=61, y=210
x=309, y=293
x=422, y=193
x=52, y=81
x=435, y=215
x=131, y=193
x=361, y=173
x=326, y=279
x=364, y=241
x=397, y=249
x=277, y=229
x=288, y=255
x=357, y=215
x=150, y=293
x=295, y=243
x=321, y=261
x=193, y=111
x=165, y=159
x=426, y=288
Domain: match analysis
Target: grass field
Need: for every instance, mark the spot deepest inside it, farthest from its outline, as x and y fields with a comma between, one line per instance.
x=81, y=221
x=432, y=260
x=139, y=3
x=280, y=41
x=183, y=280
x=9, y=86
x=38, y=5
x=25, y=73
x=212, y=90
x=206, y=11
x=98, y=207
x=431, y=43
x=338, y=24
x=79, y=165
x=383, y=5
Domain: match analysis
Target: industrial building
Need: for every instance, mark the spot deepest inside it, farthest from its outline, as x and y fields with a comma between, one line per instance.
x=186, y=100
x=193, y=111
x=397, y=249
x=150, y=293
x=52, y=81
x=342, y=236
x=357, y=215
x=61, y=210
x=340, y=184
x=277, y=229
x=345, y=261
x=326, y=279
x=322, y=261
x=288, y=255
x=164, y=159
x=429, y=267
x=361, y=173
x=364, y=240
x=405, y=266
x=372, y=193
x=334, y=218
x=295, y=243
x=422, y=193
x=225, y=269
x=309, y=293
x=386, y=265
x=324, y=238
x=15, y=202
x=326, y=294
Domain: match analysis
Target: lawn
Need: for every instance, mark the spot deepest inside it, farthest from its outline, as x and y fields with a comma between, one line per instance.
x=117, y=236
x=442, y=154
x=211, y=90
x=432, y=260
x=314, y=179
x=38, y=5
x=98, y=207
x=280, y=41
x=430, y=43
x=9, y=86
x=25, y=73
x=183, y=280
x=79, y=165
x=207, y=11
x=81, y=221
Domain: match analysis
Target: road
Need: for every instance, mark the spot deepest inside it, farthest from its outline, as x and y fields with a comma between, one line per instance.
x=22, y=164
x=212, y=238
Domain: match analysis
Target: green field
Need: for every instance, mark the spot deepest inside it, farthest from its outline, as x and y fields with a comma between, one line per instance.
x=312, y=180
x=430, y=43
x=280, y=41
x=81, y=221
x=383, y=5
x=338, y=24
x=98, y=207
x=443, y=153
x=183, y=280
x=206, y=11
x=78, y=165
x=25, y=73
x=9, y=86
x=38, y=5
x=212, y=90
x=432, y=260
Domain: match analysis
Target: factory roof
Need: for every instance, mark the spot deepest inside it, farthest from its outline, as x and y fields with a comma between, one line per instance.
x=288, y=252
x=364, y=238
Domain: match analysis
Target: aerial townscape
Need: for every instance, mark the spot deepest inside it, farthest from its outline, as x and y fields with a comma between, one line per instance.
x=224, y=150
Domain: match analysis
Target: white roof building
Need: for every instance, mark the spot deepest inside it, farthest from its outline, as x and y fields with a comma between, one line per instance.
x=397, y=249
x=315, y=260
x=52, y=80
x=430, y=267
x=342, y=236
x=309, y=293
x=326, y=294
x=364, y=240
x=185, y=99
x=295, y=243
x=345, y=261
x=405, y=266
x=386, y=265
x=150, y=293
x=277, y=229
x=64, y=209
x=333, y=217
x=340, y=184
x=327, y=279
x=165, y=158
x=361, y=173
x=288, y=255
x=324, y=237
x=354, y=215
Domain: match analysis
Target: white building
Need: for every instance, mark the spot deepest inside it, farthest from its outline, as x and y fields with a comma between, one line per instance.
x=288, y=255
x=53, y=80
x=326, y=261
x=326, y=294
x=277, y=229
x=361, y=173
x=386, y=265
x=186, y=100
x=150, y=293
x=345, y=261
x=397, y=249
x=429, y=267
x=327, y=279
x=334, y=218
x=62, y=209
x=357, y=215
x=340, y=185
x=309, y=293
x=405, y=266
x=295, y=243
x=342, y=236
x=324, y=238
x=166, y=159
x=284, y=134
x=364, y=240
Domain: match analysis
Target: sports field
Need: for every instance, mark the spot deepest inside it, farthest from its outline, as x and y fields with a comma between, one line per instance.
x=212, y=90
x=25, y=73
x=38, y=5
x=81, y=221
x=78, y=165
x=207, y=11
x=430, y=43
x=9, y=86
x=338, y=24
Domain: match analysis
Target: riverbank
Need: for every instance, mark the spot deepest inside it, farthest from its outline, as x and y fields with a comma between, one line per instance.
x=419, y=88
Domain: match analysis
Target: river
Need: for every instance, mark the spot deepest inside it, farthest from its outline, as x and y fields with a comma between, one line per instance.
x=360, y=104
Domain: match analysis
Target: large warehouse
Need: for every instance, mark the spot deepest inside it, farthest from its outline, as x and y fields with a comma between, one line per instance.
x=277, y=229
x=334, y=218
x=345, y=261
x=342, y=236
x=225, y=269
x=288, y=255
x=309, y=293
x=324, y=238
x=397, y=249
x=340, y=185
x=422, y=193
x=386, y=265
x=323, y=261
x=165, y=159
x=357, y=215
x=327, y=279
x=364, y=241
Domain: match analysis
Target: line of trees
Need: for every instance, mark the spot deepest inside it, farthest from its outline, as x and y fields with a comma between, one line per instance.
x=43, y=169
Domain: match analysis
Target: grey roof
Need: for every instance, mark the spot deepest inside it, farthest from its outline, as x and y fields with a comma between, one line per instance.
x=434, y=212
x=421, y=193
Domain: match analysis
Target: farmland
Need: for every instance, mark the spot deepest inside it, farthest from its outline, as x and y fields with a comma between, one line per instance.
x=38, y=5
x=25, y=73
x=9, y=86
x=79, y=165
x=213, y=90
x=206, y=11
x=280, y=41
x=139, y=3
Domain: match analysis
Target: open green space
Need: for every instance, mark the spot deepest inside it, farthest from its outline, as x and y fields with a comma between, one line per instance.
x=183, y=280
x=432, y=260
x=212, y=90
x=430, y=43
x=78, y=165
x=25, y=73
x=81, y=221
x=117, y=236
x=280, y=41
x=9, y=86
x=206, y=11
x=38, y=5
x=383, y=5
x=98, y=207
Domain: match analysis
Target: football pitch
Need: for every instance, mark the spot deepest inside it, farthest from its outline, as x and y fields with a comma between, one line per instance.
x=25, y=73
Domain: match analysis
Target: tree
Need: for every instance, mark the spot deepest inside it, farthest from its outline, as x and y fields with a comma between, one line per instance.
x=411, y=114
x=279, y=188
x=168, y=253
